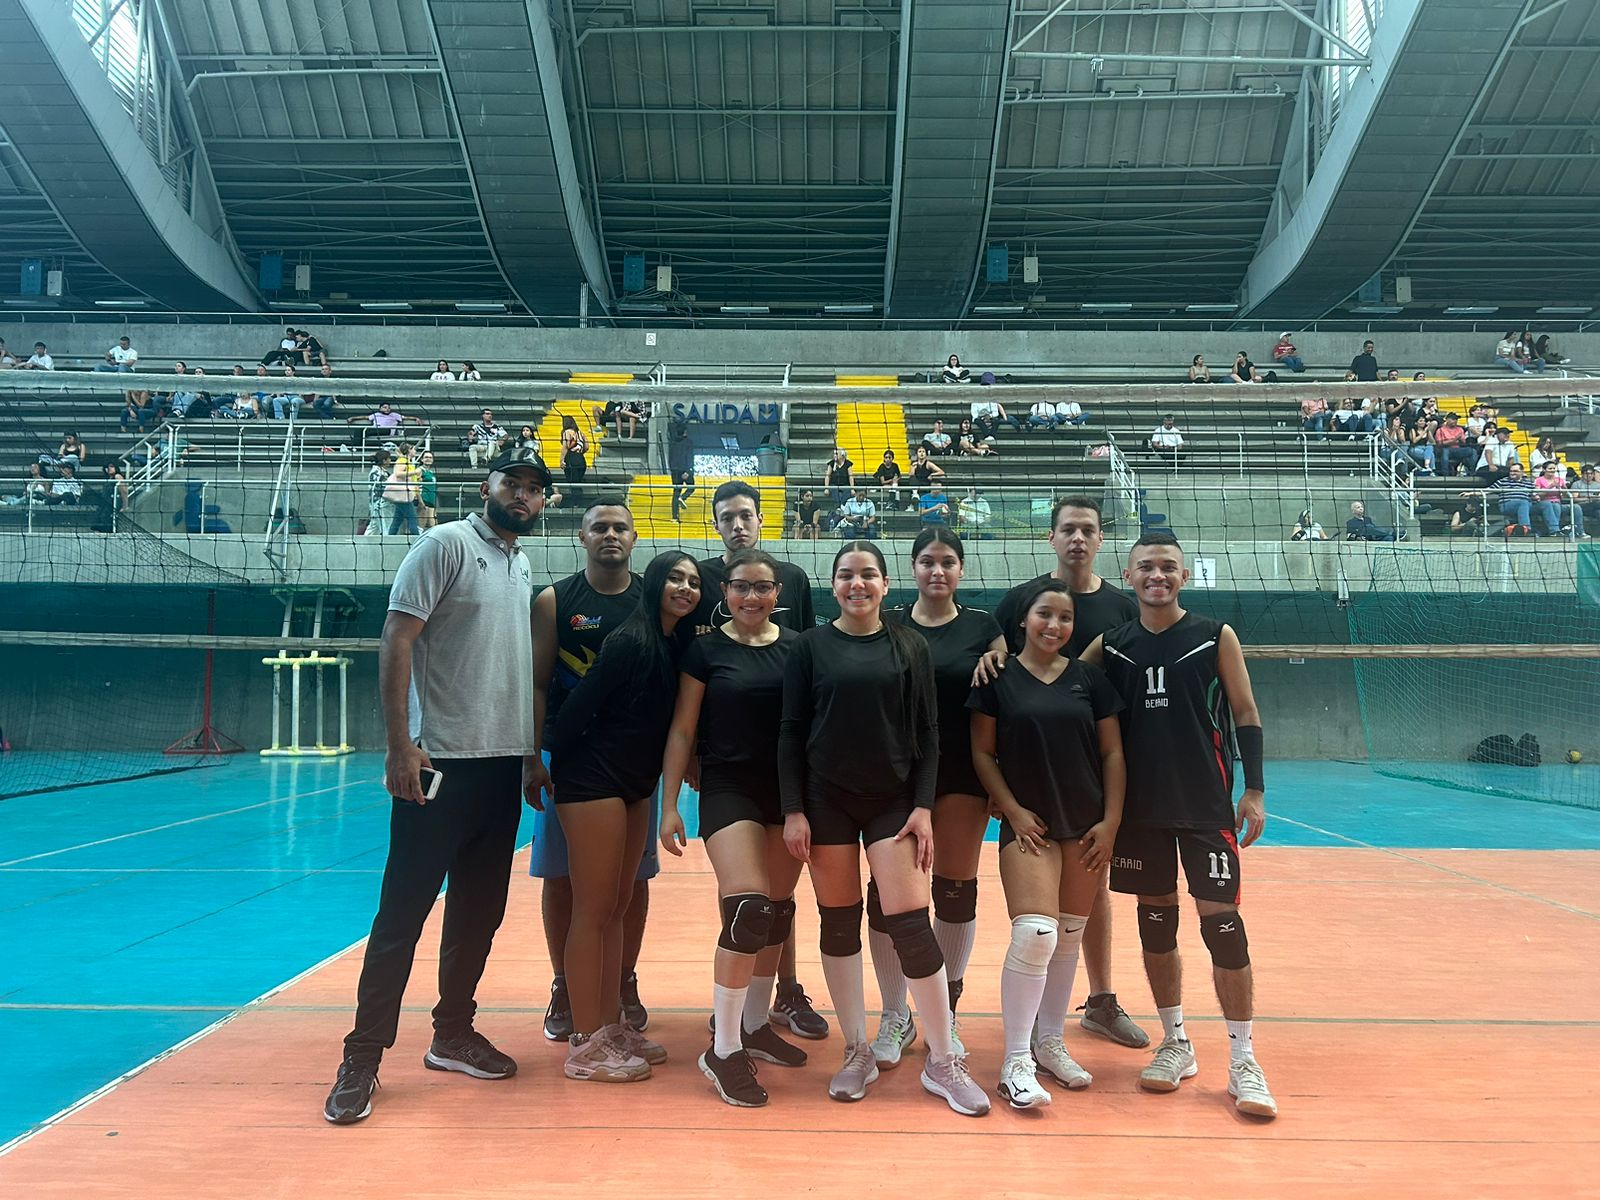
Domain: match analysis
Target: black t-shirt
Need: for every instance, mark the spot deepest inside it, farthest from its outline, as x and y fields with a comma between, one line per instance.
x=922, y=472
x=839, y=473
x=1366, y=368
x=584, y=618
x=1093, y=613
x=807, y=512
x=955, y=648
x=794, y=609
x=744, y=698
x=1177, y=734
x=1047, y=743
x=887, y=472
x=613, y=731
x=845, y=720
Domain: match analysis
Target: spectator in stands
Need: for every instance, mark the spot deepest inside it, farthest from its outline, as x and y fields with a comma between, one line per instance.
x=384, y=418
x=1516, y=355
x=7, y=359
x=1287, y=353
x=1586, y=492
x=1364, y=366
x=632, y=411
x=974, y=513
x=1043, y=415
x=527, y=443
x=1450, y=446
x=244, y=407
x=72, y=452
x=1544, y=452
x=680, y=466
x=1514, y=493
x=1420, y=439
x=401, y=490
x=377, y=507
x=427, y=491
x=182, y=399
x=1468, y=519
x=954, y=372
x=1198, y=371
x=839, y=476
x=1550, y=498
x=1243, y=370
x=933, y=505
x=288, y=401
x=1347, y=419
x=312, y=352
x=114, y=495
x=970, y=442
x=443, y=374
x=67, y=489
x=1314, y=416
x=806, y=524
x=1525, y=350
x=1477, y=417
x=39, y=360
x=858, y=516
x=888, y=476
x=1546, y=352
x=120, y=358
x=322, y=403
x=937, y=440
x=1307, y=529
x=923, y=469
x=34, y=490
x=1166, y=440
x=484, y=439
x=1498, y=457
x=574, y=455
x=988, y=415
x=1362, y=528
x=288, y=349
x=470, y=372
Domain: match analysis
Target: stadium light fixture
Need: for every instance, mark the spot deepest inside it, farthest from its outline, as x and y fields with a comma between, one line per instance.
x=1381, y=310
x=636, y=307
x=1564, y=310
x=294, y=306
x=1212, y=308
x=469, y=306
x=385, y=306
x=849, y=308
x=1107, y=308
x=745, y=310
x=998, y=310
x=127, y=302
x=1471, y=310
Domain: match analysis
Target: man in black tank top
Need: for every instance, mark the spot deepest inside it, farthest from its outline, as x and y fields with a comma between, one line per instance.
x=571, y=619
x=1076, y=537
x=736, y=509
x=1184, y=680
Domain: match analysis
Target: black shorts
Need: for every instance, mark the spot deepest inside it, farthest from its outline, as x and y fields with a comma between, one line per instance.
x=1144, y=862
x=839, y=818
x=729, y=794
x=957, y=776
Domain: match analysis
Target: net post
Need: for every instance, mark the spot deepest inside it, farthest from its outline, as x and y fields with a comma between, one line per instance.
x=294, y=706
x=344, y=716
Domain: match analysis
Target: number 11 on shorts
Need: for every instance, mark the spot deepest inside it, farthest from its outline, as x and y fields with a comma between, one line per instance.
x=1219, y=865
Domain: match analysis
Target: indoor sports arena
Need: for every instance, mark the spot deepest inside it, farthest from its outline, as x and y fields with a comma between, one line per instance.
x=797, y=560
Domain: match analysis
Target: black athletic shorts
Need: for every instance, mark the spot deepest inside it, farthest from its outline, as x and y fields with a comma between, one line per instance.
x=1144, y=862
x=729, y=794
x=839, y=818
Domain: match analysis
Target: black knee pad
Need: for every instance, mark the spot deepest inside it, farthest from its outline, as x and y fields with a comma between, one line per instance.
x=746, y=922
x=955, y=901
x=1224, y=937
x=782, y=922
x=1158, y=928
x=914, y=942
x=841, y=930
x=874, y=908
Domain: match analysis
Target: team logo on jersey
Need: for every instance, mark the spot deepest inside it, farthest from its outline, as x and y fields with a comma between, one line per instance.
x=482, y=566
x=577, y=621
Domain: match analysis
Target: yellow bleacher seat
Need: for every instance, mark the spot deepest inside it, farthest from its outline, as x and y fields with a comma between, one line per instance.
x=865, y=431
x=866, y=381
x=650, y=498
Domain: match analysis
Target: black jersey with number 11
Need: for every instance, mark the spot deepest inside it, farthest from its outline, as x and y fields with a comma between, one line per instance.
x=1177, y=733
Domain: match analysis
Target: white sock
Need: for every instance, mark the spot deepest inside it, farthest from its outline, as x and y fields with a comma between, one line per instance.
x=932, y=994
x=1172, y=1022
x=1239, y=1046
x=848, y=990
x=1022, y=983
x=757, y=1001
x=886, y=966
x=726, y=1006
x=955, y=943
x=1057, y=1001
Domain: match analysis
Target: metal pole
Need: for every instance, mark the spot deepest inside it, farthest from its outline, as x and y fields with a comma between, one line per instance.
x=320, y=743
x=344, y=731
x=294, y=703
x=277, y=705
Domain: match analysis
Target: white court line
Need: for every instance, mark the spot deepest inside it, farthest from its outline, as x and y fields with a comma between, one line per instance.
x=338, y=787
x=1442, y=869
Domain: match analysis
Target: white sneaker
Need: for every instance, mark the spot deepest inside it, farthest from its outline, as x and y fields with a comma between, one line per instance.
x=1051, y=1055
x=949, y=1078
x=1247, y=1084
x=896, y=1031
x=859, y=1069
x=1019, y=1084
x=1173, y=1063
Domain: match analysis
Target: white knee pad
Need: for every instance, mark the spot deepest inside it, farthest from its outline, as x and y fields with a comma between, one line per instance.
x=1033, y=941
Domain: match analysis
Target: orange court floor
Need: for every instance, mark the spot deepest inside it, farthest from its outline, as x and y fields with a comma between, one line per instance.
x=1426, y=1019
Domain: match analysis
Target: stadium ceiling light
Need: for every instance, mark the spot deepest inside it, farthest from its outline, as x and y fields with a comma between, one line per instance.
x=385, y=306
x=1216, y=308
x=1563, y=310
x=294, y=306
x=1384, y=310
x=849, y=308
x=999, y=309
x=1107, y=308
x=32, y=302
x=633, y=306
x=466, y=306
x=1471, y=310
x=128, y=302
x=745, y=310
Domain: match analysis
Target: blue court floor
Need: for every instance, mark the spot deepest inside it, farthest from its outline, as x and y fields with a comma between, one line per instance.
x=139, y=913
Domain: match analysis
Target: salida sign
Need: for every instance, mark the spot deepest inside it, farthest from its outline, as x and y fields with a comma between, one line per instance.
x=726, y=414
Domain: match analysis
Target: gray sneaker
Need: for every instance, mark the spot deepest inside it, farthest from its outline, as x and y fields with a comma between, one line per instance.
x=634, y=1042
x=1173, y=1063
x=1051, y=1055
x=860, y=1069
x=896, y=1031
x=948, y=1077
x=1104, y=1016
x=1247, y=1084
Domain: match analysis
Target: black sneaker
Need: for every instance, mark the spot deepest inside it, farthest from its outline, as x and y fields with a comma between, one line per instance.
x=765, y=1044
x=472, y=1054
x=734, y=1078
x=634, y=1013
x=1103, y=1015
x=558, y=1013
x=351, y=1098
x=793, y=1008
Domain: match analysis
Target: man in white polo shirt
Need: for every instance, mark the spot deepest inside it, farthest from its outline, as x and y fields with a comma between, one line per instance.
x=455, y=677
x=120, y=358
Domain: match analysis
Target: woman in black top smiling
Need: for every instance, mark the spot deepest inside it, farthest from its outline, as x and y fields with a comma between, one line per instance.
x=730, y=700
x=957, y=638
x=858, y=759
x=605, y=760
x=1048, y=747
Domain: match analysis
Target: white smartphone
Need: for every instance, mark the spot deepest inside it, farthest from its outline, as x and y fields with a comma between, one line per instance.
x=430, y=782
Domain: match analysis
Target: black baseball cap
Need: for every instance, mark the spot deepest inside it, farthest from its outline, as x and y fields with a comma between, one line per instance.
x=514, y=458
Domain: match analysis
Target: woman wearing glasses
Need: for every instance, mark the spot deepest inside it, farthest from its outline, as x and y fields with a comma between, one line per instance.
x=730, y=700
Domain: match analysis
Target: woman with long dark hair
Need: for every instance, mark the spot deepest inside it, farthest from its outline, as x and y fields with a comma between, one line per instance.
x=1048, y=747
x=730, y=700
x=858, y=759
x=957, y=638
x=605, y=761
